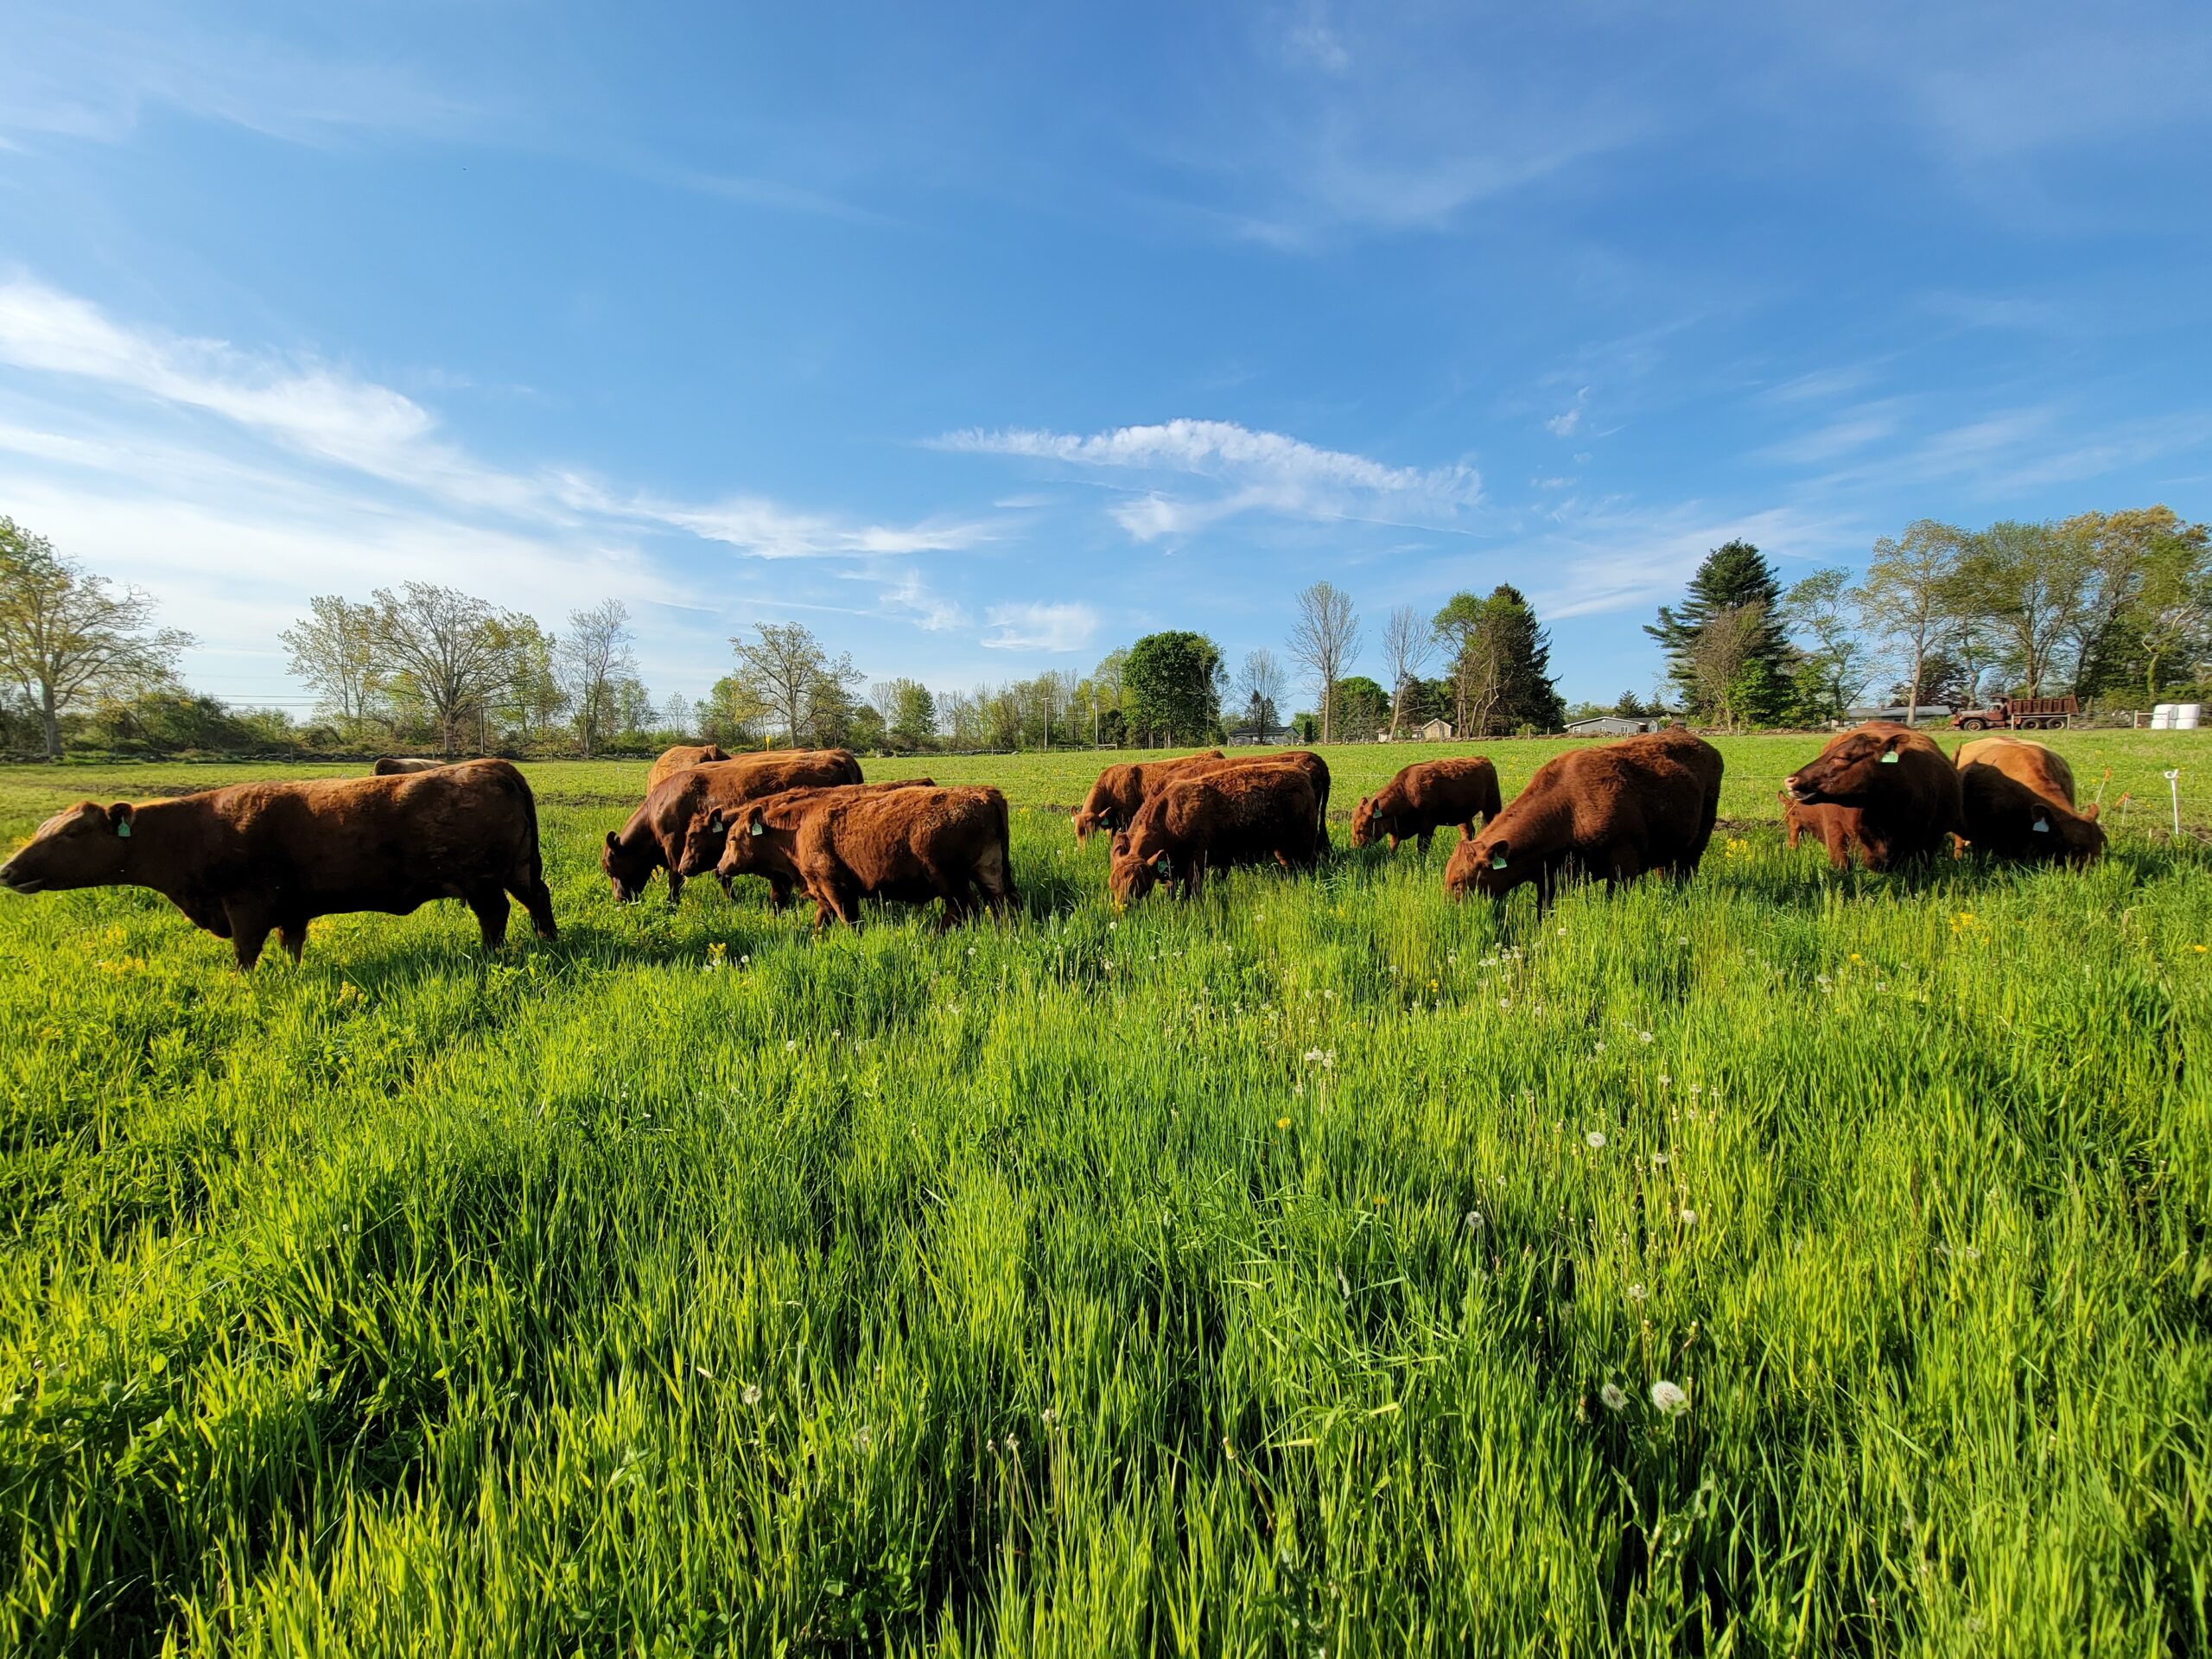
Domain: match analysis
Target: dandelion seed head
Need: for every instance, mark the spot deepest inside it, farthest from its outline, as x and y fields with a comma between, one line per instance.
x=1595, y=1139
x=1612, y=1397
x=1669, y=1399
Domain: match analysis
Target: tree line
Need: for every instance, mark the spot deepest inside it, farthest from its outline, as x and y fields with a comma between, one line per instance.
x=2116, y=606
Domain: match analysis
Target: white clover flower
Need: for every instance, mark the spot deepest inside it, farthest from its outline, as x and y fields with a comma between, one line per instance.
x=1601, y=1048
x=1664, y=1079
x=865, y=1436
x=1642, y=1036
x=790, y=1043
x=1669, y=1399
x=1595, y=1139
x=1689, y=1218
x=1612, y=1398
x=1636, y=1293
x=1049, y=1417
x=752, y=1394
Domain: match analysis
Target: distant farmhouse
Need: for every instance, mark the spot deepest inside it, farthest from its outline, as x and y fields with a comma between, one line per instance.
x=1616, y=725
x=1429, y=731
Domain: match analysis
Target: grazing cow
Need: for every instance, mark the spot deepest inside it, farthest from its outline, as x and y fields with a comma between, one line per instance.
x=1612, y=812
x=703, y=847
x=674, y=760
x=1120, y=788
x=1904, y=787
x=2016, y=801
x=909, y=844
x=654, y=837
x=1423, y=798
x=1229, y=816
x=399, y=765
x=1837, y=827
x=250, y=858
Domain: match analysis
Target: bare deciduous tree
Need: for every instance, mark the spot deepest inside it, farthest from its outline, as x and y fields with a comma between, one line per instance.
x=333, y=651
x=1260, y=685
x=1723, y=647
x=794, y=673
x=67, y=634
x=1324, y=641
x=1406, y=641
x=595, y=657
x=444, y=642
x=1908, y=594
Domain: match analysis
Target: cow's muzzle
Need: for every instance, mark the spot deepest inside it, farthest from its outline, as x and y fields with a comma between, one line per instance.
x=16, y=883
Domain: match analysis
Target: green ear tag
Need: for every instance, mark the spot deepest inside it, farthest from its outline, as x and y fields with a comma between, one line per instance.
x=1891, y=759
x=1497, y=861
x=2043, y=826
x=1165, y=865
x=756, y=826
x=123, y=828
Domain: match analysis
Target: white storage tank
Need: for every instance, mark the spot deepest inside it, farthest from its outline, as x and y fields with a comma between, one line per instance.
x=2187, y=714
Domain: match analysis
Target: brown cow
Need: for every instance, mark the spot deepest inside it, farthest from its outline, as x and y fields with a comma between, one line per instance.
x=674, y=760
x=1120, y=788
x=1423, y=798
x=2016, y=801
x=908, y=844
x=1229, y=816
x=654, y=837
x=1838, y=827
x=1905, y=788
x=250, y=858
x=399, y=766
x=703, y=848
x=1613, y=812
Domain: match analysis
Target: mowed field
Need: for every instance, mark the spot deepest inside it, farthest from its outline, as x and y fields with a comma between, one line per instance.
x=1288, y=1274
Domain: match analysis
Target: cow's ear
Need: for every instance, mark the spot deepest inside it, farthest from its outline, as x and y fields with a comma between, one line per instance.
x=715, y=822
x=1500, y=854
x=2091, y=809
x=613, y=839
x=119, y=817
x=756, y=828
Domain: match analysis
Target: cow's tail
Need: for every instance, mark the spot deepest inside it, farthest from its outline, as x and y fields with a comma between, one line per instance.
x=998, y=882
x=529, y=878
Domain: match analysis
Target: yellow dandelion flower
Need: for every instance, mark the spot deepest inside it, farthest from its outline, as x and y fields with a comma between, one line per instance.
x=1282, y=1122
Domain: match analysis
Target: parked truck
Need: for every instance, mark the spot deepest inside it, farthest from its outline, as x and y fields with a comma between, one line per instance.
x=2018, y=715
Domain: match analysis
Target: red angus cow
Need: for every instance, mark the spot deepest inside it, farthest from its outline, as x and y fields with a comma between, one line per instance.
x=1423, y=798
x=907, y=844
x=1120, y=789
x=1903, y=786
x=1237, y=815
x=655, y=837
x=1612, y=812
x=255, y=858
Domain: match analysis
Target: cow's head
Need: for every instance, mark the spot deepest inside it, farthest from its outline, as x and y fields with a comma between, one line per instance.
x=1856, y=765
x=742, y=829
x=2072, y=837
x=629, y=865
x=1369, y=823
x=1487, y=865
x=703, y=839
x=85, y=845
x=1087, y=823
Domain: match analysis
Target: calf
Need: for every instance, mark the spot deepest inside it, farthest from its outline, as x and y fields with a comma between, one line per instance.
x=2016, y=801
x=909, y=844
x=399, y=765
x=1423, y=798
x=704, y=846
x=1838, y=827
x=252, y=858
x=1612, y=812
x=1235, y=815
x=654, y=837
x=1903, y=786
x=680, y=757
x=1120, y=788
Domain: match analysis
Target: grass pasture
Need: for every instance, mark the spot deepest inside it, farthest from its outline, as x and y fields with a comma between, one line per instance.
x=1290, y=1273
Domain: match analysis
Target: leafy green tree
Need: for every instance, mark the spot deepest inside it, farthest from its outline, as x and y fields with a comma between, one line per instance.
x=1501, y=664
x=1837, y=664
x=2170, y=614
x=333, y=651
x=67, y=636
x=1171, y=687
x=439, y=648
x=2128, y=554
x=792, y=675
x=1735, y=580
x=2033, y=584
x=1909, y=601
x=912, y=718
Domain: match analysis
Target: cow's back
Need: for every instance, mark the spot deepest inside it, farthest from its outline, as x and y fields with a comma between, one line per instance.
x=2035, y=766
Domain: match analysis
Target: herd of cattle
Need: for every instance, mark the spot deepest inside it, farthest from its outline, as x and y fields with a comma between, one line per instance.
x=252, y=859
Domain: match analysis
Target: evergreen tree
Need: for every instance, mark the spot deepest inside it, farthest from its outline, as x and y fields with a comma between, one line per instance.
x=1734, y=576
x=1527, y=696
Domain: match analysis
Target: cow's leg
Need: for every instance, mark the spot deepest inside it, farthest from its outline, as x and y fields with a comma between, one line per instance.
x=250, y=924
x=675, y=887
x=728, y=882
x=780, y=893
x=489, y=904
x=1421, y=841
x=1839, y=844
x=293, y=936
x=537, y=900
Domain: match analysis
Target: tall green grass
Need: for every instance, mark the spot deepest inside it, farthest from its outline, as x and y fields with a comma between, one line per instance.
x=1246, y=1278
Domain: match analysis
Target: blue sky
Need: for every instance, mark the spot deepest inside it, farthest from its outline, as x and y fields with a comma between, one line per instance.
x=984, y=339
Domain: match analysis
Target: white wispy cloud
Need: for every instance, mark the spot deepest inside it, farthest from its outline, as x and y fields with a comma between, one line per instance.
x=1855, y=430
x=1255, y=471
x=1619, y=555
x=1040, y=626
x=1569, y=420
x=328, y=413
